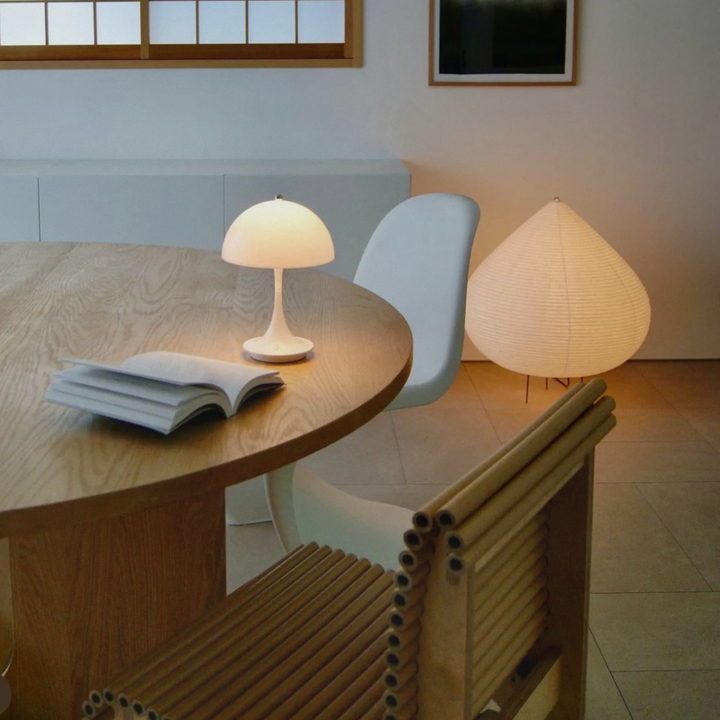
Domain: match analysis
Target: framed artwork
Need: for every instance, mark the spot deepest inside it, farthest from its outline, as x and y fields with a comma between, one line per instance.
x=502, y=42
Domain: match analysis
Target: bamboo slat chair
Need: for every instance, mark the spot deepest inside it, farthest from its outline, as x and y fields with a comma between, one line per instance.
x=491, y=604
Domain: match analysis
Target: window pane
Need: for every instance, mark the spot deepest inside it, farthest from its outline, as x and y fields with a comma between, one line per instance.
x=222, y=22
x=118, y=23
x=321, y=21
x=271, y=21
x=172, y=22
x=22, y=24
x=70, y=23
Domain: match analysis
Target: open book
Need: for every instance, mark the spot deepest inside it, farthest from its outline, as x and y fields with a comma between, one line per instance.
x=159, y=390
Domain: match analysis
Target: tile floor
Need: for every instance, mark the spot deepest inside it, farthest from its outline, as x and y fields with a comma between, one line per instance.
x=655, y=609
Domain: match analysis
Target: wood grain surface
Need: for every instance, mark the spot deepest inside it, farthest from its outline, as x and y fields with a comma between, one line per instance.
x=107, y=302
x=90, y=599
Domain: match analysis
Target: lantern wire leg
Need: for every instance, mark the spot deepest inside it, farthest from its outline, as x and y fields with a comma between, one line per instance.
x=564, y=382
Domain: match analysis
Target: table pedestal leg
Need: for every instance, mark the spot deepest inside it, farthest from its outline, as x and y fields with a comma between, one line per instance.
x=91, y=598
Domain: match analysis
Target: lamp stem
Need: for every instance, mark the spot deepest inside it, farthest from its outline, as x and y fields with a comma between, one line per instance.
x=278, y=344
x=278, y=326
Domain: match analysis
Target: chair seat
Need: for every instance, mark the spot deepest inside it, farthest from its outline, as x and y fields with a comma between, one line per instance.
x=305, y=640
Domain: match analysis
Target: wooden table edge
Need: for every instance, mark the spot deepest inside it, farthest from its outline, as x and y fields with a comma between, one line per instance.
x=163, y=492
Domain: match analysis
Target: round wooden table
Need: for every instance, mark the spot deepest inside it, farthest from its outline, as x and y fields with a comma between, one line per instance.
x=115, y=534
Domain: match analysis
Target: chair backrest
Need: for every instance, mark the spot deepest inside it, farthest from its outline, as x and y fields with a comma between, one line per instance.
x=417, y=259
x=496, y=577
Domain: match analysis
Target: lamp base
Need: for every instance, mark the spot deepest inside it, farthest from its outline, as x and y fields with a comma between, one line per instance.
x=277, y=350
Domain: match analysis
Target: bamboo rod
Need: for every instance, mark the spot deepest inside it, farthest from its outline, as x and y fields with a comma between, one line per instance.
x=121, y=713
x=414, y=540
x=482, y=564
x=396, y=679
x=520, y=612
x=372, y=698
x=401, y=620
x=476, y=493
x=518, y=549
x=483, y=692
x=279, y=618
x=404, y=600
x=503, y=531
x=88, y=709
x=398, y=659
x=106, y=714
x=400, y=638
x=368, y=682
x=316, y=658
x=411, y=560
x=235, y=605
x=514, y=650
x=316, y=699
x=196, y=654
x=493, y=609
x=532, y=567
x=406, y=712
x=214, y=689
x=534, y=470
x=405, y=694
x=96, y=699
x=509, y=641
x=375, y=712
x=291, y=684
x=423, y=518
x=407, y=580
x=539, y=692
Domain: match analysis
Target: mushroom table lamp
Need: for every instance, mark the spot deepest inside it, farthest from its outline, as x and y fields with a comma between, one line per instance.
x=278, y=234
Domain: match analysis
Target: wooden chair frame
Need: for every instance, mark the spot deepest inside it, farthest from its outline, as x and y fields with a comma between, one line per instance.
x=491, y=604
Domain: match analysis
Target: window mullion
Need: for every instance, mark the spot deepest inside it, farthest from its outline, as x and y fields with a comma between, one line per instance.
x=144, y=29
x=47, y=23
x=297, y=22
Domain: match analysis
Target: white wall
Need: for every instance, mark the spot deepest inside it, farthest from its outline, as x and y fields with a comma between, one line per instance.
x=634, y=148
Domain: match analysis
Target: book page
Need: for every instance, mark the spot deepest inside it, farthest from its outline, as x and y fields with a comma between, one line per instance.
x=148, y=396
x=132, y=386
x=232, y=378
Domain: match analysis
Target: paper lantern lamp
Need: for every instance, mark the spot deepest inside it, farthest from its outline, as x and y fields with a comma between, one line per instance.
x=278, y=234
x=555, y=300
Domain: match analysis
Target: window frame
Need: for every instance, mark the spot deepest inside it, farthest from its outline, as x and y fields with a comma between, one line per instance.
x=280, y=55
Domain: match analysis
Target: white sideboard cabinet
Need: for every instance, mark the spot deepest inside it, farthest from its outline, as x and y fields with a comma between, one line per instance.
x=192, y=203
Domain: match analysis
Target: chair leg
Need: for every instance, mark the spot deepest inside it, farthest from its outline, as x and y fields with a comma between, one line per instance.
x=306, y=509
x=279, y=491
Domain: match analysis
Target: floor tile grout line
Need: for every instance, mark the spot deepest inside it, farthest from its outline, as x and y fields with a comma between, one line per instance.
x=709, y=591
x=698, y=430
x=397, y=447
x=658, y=389
x=674, y=670
x=697, y=569
x=610, y=672
x=655, y=482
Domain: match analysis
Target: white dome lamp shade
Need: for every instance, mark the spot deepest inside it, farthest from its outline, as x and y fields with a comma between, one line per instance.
x=555, y=300
x=278, y=234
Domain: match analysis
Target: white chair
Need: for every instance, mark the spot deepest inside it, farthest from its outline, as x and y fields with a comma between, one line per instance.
x=417, y=259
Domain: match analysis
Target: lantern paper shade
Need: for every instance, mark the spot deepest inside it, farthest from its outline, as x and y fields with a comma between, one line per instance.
x=555, y=300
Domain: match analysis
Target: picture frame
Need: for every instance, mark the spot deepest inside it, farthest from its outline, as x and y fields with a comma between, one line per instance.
x=503, y=42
